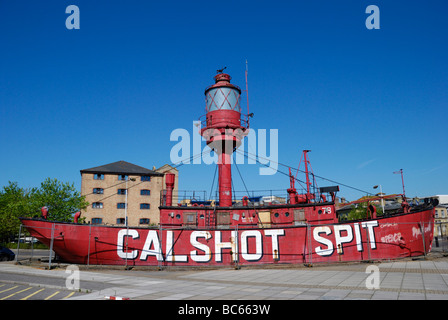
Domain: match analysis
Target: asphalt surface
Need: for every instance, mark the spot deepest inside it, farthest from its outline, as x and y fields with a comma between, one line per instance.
x=408, y=279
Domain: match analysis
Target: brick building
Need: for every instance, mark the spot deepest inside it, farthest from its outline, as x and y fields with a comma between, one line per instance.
x=121, y=189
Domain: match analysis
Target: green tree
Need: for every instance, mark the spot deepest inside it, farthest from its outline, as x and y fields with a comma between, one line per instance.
x=15, y=202
x=360, y=211
x=62, y=199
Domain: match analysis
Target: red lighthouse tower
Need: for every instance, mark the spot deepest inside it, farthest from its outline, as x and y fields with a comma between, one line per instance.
x=224, y=129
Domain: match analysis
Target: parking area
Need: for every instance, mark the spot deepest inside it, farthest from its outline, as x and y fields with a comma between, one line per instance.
x=12, y=291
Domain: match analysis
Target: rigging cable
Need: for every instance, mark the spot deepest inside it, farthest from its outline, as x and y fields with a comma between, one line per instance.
x=238, y=169
x=253, y=204
x=190, y=159
x=245, y=153
x=213, y=183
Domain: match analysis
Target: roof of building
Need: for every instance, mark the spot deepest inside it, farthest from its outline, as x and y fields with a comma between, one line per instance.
x=122, y=167
x=165, y=168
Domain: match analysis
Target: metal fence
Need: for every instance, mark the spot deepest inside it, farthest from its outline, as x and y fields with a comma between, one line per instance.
x=440, y=242
x=27, y=255
x=308, y=250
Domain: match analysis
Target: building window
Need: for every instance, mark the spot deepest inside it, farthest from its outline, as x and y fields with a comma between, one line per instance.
x=98, y=190
x=121, y=220
x=97, y=220
x=121, y=191
x=121, y=205
x=123, y=177
x=98, y=176
x=144, y=206
x=97, y=205
x=146, y=178
x=145, y=192
x=144, y=221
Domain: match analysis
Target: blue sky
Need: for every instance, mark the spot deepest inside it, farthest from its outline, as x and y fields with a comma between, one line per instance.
x=366, y=102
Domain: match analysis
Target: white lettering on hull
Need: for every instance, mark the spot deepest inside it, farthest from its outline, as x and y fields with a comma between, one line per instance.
x=195, y=256
x=327, y=242
x=247, y=244
x=202, y=252
x=258, y=245
x=152, y=240
x=343, y=235
x=121, y=246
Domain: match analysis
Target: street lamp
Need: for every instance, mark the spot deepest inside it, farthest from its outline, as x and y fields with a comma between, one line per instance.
x=381, y=194
x=126, y=217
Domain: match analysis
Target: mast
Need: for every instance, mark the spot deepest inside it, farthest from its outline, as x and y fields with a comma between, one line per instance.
x=308, y=183
x=402, y=180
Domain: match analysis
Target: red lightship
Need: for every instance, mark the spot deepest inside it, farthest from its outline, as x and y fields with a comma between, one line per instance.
x=304, y=229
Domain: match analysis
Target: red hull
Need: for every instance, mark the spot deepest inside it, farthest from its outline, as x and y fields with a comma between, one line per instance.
x=398, y=236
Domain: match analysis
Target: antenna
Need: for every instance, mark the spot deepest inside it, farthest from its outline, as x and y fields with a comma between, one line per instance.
x=247, y=93
x=402, y=180
x=247, y=90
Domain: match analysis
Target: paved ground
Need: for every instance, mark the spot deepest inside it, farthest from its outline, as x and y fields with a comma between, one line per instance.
x=424, y=279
